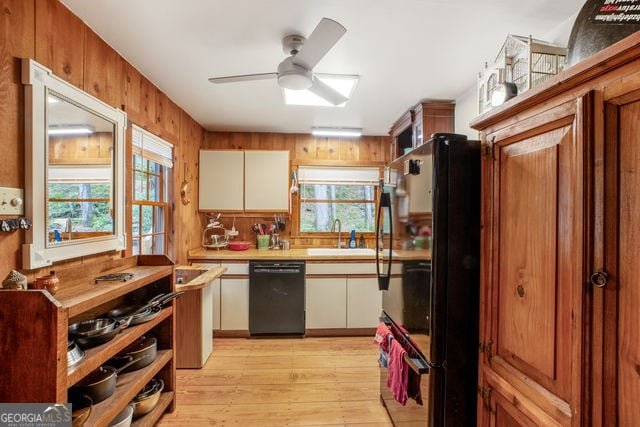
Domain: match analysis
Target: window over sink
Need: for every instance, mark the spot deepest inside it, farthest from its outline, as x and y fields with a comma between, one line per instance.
x=347, y=194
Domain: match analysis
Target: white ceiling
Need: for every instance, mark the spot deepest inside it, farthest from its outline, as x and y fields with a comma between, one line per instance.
x=404, y=51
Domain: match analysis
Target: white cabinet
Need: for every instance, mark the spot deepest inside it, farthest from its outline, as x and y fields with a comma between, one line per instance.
x=221, y=180
x=234, y=309
x=266, y=180
x=364, y=302
x=215, y=304
x=326, y=302
x=253, y=180
x=207, y=322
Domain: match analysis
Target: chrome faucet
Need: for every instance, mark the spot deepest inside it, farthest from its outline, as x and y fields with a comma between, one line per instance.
x=333, y=230
x=68, y=228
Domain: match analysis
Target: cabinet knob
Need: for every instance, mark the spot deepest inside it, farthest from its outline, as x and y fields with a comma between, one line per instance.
x=599, y=278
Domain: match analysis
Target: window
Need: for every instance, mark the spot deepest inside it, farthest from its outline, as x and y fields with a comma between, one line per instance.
x=344, y=193
x=152, y=159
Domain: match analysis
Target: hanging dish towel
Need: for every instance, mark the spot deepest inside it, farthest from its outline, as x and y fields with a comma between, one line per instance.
x=398, y=378
x=382, y=337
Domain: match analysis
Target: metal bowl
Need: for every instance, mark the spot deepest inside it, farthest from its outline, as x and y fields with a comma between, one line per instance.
x=148, y=398
x=91, y=327
x=74, y=354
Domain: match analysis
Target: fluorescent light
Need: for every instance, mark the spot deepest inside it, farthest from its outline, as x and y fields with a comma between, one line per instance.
x=346, y=132
x=343, y=84
x=70, y=130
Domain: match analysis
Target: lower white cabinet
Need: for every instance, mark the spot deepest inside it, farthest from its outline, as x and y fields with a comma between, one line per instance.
x=234, y=310
x=364, y=302
x=326, y=302
x=215, y=304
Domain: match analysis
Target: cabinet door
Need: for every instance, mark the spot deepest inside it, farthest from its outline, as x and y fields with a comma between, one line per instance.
x=234, y=310
x=207, y=322
x=266, y=186
x=364, y=302
x=221, y=180
x=533, y=232
x=616, y=337
x=215, y=304
x=326, y=302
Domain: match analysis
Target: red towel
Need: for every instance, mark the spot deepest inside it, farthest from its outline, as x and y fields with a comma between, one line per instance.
x=397, y=377
x=381, y=338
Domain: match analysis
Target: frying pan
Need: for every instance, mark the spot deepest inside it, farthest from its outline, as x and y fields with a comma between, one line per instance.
x=94, y=340
x=146, y=312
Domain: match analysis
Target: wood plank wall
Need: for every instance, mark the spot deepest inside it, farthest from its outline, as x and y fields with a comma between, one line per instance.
x=304, y=149
x=75, y=53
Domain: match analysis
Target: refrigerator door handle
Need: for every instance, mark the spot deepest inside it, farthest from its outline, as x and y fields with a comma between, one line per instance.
x=385, y=202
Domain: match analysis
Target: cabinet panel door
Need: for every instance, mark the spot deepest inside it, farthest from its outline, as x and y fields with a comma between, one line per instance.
x=536, y=263
x=364, y=302
x=234, y=309
x=266, y=177
x=326, y=302
x=221, y=180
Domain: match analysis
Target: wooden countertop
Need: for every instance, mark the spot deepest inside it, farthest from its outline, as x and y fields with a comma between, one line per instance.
x=200, y=281
x=202, y=254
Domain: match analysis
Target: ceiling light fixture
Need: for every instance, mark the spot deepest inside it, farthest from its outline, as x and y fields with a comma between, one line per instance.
x=343, y=84
x=344, y=132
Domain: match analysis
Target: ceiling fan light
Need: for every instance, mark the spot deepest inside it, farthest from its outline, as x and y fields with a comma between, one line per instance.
x=295, y=81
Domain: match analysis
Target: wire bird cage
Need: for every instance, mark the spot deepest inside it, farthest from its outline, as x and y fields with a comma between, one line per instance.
x=525, y=61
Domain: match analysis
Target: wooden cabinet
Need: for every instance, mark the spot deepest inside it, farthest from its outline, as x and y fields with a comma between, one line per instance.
x=416, y=126
x=559, y=295
x=236, y=180
x=34, y=334
x=326, y=303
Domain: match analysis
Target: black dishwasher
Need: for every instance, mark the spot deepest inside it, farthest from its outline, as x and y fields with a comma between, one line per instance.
x=276, y=297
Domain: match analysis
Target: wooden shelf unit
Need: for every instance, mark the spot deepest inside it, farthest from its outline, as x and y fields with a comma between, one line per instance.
x=34, y=333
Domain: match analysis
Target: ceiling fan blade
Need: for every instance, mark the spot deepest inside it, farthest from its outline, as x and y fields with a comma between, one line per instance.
x=243, y=78
x=324, y=36
x=326, y=92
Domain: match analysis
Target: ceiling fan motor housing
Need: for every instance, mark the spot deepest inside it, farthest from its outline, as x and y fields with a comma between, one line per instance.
x=293, y=76
x=291, y=44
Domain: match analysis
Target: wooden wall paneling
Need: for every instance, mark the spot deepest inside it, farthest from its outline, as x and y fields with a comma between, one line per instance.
x=100, y=69
x=17, y=40
x=305, y=148
x=167, y=117
x=59, y=41
x=137, y=96
x=327, y=149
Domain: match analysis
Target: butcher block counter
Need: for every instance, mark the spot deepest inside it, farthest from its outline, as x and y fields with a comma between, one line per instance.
x=203, y=255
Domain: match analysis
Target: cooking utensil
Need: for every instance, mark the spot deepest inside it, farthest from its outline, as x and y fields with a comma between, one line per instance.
x=88, y=328
x=94, y=340
x=143, y=350
x=159, y=301
x=148, y=398
x=74, y=354
x=255, y=228
x=100, y=383
x=263, y=228
x=81, y=407
x=124, y=418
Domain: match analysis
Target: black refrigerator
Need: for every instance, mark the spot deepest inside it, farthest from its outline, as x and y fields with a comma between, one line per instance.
x=432, y=307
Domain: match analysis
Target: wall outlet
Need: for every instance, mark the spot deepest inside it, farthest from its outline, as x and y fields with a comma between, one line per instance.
x=11, y=201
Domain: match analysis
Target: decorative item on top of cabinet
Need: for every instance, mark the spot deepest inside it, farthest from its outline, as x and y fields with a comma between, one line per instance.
x=35, y=333
x=559, y=205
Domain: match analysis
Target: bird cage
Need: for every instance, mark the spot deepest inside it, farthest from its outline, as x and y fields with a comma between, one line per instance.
x=524, y=61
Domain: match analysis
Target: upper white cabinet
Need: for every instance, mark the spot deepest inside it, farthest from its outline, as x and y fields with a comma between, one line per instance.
x=266, y=180
x=236, y=180
x=221, y=180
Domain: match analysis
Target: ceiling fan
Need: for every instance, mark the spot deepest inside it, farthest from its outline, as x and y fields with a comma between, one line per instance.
x=296, y=71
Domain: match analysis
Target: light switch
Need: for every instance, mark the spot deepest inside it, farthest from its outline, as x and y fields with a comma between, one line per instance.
x=11, y=201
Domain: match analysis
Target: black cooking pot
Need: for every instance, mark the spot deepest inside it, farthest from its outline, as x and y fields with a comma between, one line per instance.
x=99, y=384
x=142, y=351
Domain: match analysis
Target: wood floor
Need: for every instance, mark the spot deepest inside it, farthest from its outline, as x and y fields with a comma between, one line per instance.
x=279, y=382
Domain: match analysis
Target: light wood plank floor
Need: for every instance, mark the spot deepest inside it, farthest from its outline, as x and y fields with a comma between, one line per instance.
x=282, y=381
